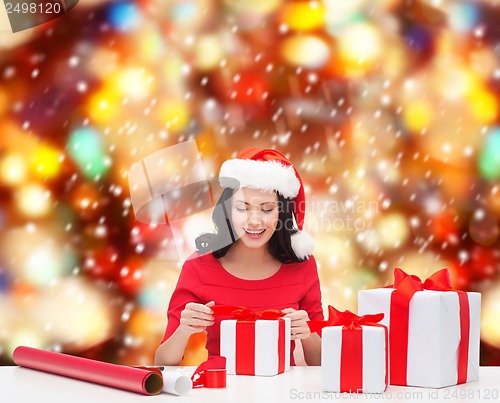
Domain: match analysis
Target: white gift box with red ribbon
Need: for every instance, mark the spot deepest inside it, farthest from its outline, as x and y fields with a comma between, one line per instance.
x=372, y=372
x=353, y=352
x=256, y=347
x=439, y=344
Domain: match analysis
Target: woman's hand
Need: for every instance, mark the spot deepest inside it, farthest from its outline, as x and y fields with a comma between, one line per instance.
x=196, y=317
x=300, y=329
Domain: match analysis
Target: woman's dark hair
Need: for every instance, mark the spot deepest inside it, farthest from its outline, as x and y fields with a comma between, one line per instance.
x=280, y=244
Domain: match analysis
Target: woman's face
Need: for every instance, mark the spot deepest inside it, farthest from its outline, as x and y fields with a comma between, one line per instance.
x=255, y=216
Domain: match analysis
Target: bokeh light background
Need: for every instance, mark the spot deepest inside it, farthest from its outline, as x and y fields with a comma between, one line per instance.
x=389, y=109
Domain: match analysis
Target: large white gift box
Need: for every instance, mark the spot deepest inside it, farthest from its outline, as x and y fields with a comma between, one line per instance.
x=438, y=330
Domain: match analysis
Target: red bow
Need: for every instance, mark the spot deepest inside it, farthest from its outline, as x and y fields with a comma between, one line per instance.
x=242, y=313
x=405, y=287
x=439, y=281
x=346, y=319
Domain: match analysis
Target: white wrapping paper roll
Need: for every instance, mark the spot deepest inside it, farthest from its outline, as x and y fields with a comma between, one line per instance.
x=176, y=383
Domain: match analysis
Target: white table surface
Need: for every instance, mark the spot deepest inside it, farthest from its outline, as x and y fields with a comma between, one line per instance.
x=302, y=384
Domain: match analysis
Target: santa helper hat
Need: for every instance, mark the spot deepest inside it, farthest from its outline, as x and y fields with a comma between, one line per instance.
x=269, y=170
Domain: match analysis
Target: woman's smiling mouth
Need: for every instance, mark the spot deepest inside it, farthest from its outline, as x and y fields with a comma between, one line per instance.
x=254, y=234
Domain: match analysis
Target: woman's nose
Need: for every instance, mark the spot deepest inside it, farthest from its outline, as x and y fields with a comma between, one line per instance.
x=253, y=217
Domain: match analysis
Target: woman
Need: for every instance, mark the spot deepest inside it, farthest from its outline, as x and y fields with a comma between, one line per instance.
x=259, y=258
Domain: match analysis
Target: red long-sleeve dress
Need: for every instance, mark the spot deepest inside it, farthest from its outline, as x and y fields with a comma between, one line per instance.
x=204, y=279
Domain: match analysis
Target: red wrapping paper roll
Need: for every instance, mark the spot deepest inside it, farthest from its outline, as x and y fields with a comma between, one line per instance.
x=117, y=376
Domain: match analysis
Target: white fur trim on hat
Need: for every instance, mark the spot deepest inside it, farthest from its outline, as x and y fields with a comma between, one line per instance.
x=302, y=244
x=266, y=175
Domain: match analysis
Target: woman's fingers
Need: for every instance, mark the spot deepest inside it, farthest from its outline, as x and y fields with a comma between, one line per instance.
x=196, y=322
x=196, y=317
x=199, y=311
x=299, y=336
x=200, y=315
x=192, y=306
x=300, y=333
x=299, y=328
x=294, y=314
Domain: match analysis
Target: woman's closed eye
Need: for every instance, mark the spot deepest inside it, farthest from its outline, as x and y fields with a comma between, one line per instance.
x=267, y=211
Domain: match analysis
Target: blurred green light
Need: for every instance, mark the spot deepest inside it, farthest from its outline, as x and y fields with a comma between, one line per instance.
x=87, y=150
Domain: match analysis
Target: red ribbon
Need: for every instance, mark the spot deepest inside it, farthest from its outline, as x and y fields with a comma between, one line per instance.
x=242, y=313
x=245, y=348
x=351, y=355
x=405, y=287
x=281, y=346
x=210, y=374
x=245, y=335
x=346, y=319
